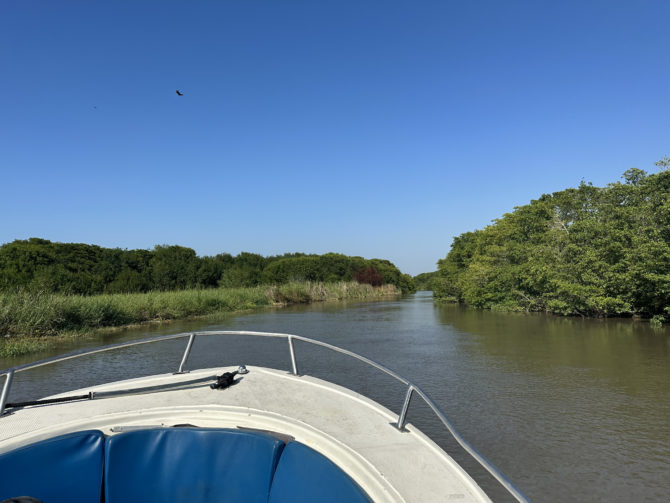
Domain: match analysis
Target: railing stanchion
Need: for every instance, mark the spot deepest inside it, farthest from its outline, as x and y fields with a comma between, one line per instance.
x=187, y=352
x=403, y=413
x=5, y=391
x=294, y=365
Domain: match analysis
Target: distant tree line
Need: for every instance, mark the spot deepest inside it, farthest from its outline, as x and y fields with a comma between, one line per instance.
x=73, y=268
x=594, y=251
x=424, y=281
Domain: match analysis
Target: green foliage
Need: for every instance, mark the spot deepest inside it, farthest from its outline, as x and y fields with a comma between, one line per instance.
x=425, y=280
x=45, y=314
x=294, y=269
x=12, y=348
x=586, y=251
x=657, y=321
x=301, y=292
x=38, y=265
x=174, y=268
x=28, y=319
x=335, y=267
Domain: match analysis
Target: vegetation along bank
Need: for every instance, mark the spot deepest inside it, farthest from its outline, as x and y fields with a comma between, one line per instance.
x=49, y=289
x=591, y=251
x=424, y=281
x=38, y=265
x=30, y=320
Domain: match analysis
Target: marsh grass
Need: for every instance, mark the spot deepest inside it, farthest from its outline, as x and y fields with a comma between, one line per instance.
x=21, y=346
x=29, y=320
x=305, y=292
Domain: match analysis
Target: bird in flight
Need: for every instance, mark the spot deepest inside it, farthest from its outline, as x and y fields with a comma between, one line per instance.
x=179, y=93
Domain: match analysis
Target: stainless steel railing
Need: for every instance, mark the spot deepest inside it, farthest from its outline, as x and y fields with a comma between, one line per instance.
x=402, y=416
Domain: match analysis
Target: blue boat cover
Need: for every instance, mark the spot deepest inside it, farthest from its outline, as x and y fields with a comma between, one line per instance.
x=64, y=469
x=305, y=476
x=189, y=465
x=184, y=465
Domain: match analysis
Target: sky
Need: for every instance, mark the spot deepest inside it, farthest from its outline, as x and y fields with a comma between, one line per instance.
x=372, y=128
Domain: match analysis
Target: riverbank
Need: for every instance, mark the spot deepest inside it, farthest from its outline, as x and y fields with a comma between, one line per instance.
x=32, y=322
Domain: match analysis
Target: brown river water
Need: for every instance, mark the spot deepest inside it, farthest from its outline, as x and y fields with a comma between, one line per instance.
x=569, y=409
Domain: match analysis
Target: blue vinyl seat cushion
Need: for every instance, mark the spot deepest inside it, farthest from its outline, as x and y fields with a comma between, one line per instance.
x=187, y=465
x=306, y=476
x=63, y=469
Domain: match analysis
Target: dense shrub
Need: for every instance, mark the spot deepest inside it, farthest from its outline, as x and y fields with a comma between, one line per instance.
x=38, y=265
x=585, y=251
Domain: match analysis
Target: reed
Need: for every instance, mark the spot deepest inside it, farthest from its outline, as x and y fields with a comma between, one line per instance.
x=28, y=319
x=305, y=292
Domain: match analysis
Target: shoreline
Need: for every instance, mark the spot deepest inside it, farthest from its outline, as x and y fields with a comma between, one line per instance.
x=36, y=322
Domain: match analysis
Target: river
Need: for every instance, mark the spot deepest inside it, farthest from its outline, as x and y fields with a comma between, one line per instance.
x=569, y=409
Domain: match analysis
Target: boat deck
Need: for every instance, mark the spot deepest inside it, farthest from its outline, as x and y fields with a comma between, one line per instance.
x=359, y=435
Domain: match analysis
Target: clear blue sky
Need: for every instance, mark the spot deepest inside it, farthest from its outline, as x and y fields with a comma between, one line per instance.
x=373, y=128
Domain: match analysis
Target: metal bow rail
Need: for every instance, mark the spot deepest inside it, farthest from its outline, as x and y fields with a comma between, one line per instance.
x=402, y=416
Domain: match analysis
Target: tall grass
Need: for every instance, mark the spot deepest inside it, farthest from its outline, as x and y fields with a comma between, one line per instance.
x=306, y=292
x=42, y=314
x=33, y=315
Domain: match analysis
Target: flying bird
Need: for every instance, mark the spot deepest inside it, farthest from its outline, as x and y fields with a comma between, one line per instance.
x=179, y=93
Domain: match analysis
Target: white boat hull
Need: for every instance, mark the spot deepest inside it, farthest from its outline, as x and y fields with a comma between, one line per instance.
x=354, y=432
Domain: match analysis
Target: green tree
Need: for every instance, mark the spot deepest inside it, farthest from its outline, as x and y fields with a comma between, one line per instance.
x=585, y=251
x=173, y=267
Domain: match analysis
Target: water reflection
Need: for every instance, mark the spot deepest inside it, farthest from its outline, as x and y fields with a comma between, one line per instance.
x=587, y=400
x=611, y=350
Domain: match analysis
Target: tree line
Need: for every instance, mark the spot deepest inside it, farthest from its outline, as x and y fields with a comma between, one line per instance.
x=424, y=281
x=593, y=251
x=75, y=268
